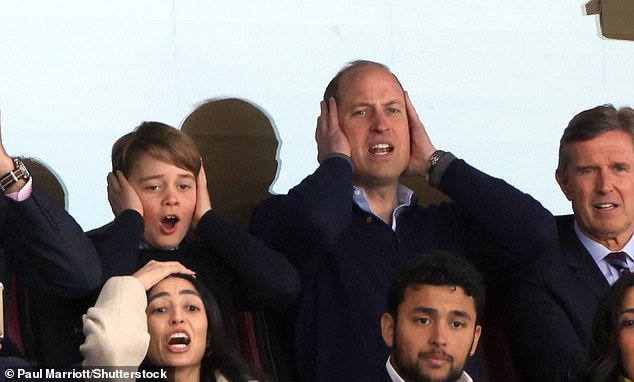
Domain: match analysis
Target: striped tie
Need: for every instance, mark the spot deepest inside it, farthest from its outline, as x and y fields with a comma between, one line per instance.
x=618, y=261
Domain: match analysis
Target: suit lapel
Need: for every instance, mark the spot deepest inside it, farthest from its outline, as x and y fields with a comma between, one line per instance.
x=578, y=258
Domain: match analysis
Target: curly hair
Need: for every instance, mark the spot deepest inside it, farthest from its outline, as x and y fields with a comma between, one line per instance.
x=439, y=268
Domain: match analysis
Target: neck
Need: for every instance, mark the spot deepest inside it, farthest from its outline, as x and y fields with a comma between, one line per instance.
x=383, y=200
x=615, y=243
x=184, y=374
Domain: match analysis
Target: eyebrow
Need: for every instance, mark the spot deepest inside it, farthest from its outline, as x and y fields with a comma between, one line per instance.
x=165, y=294
x=428, y=310
x=366, y=103
x=159, y=176
x=628, y=310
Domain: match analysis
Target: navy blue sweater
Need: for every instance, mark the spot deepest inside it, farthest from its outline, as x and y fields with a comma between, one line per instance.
x=346, y=257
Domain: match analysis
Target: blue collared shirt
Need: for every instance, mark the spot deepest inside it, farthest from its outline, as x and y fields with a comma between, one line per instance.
x=403, y=198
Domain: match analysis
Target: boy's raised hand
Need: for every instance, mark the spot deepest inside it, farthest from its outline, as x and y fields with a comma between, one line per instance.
x=203, y=199
x=121, y=195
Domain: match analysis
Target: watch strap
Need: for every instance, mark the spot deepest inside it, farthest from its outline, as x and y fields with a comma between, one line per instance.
x=442, y=160
x=12, y=177
x=435, y=157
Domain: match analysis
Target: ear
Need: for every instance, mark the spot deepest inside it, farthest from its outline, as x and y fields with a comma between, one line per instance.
x=387, y=329
x=476, y=338
x=562, y=180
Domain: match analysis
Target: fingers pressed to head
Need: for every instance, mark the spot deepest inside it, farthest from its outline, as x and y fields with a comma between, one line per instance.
x=112, y=181
x=322, y=120
x=333, y=118
x=411, y=112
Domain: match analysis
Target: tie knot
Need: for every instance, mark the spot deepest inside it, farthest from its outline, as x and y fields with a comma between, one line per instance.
x=618, y=260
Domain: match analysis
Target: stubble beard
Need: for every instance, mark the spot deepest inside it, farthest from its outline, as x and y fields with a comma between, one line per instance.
x=414, y=372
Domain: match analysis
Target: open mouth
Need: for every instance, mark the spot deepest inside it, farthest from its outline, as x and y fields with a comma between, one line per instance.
x=381, y=149
x=170, y=221
x=178, y=340
x=605, y=206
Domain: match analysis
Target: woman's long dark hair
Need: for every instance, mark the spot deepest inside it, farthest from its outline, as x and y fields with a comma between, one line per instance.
x=604, y=361
x=220, y=353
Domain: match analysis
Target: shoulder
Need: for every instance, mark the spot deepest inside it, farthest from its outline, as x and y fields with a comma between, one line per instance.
x=565, y=220
x=99, y=230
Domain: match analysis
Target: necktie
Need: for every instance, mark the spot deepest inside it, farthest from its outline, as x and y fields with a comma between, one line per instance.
x=618, y=261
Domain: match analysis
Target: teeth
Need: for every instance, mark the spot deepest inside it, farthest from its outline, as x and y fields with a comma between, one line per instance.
x=380, y=149
x=179, y=335
x=605, y=205
x=179, y=339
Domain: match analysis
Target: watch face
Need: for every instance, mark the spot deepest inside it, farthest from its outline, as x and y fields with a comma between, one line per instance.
x=435, y=157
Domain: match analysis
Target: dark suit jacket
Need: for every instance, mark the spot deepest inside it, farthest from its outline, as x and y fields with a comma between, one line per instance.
x=46, y=249
x=551, y=309
x=380, y=376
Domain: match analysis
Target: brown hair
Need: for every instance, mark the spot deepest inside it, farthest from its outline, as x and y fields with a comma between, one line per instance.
x=159, y=140
x=591, y=123
x=332, y=90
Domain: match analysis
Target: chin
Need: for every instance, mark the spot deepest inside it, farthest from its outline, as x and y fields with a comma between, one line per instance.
x=176, y=360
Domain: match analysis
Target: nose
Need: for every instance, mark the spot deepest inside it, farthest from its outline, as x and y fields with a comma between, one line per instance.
x=177, y=317
x=438, y=335
x=605, y=182
x=380, y=122
x=170, y=197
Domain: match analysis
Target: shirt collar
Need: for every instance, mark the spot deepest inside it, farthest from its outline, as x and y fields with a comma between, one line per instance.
x=464, y=377
x=597, y=250
x=403, y=198
x=145, y=245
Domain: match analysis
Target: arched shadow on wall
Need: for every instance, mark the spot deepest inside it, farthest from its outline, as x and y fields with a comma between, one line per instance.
x=48, y=179
x=426, y=194
x=239, y=145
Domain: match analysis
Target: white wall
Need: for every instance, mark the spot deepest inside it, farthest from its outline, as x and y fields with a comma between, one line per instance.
x=494, y=81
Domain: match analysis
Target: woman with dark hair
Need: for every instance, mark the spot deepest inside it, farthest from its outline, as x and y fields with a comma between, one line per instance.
x=611, y=355
x=186, y=334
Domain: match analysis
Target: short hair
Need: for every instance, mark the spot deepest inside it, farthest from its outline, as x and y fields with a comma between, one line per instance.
x=604, y=359
x=591, y=123
x=159, y=140
x=438, y=268
x=332, y=90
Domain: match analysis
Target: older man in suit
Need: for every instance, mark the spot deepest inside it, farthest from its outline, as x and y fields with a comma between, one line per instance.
x=552, y=305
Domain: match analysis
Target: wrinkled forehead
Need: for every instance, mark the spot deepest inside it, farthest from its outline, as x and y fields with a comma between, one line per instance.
x=611, y=143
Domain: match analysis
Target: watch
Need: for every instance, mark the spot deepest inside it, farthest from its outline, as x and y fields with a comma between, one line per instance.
x=13, y=176
x=435, y=157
